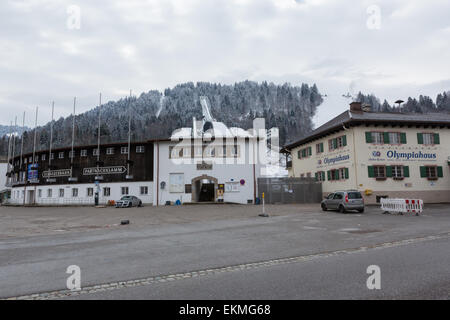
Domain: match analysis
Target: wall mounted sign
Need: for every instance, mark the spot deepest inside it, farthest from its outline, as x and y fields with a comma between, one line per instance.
x=104, y=170
x=33, y=172
x=402, y=156
x=204, y=166
x=57, y=173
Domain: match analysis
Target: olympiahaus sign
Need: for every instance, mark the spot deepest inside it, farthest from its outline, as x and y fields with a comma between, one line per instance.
x=57, y=173
x=104, y=170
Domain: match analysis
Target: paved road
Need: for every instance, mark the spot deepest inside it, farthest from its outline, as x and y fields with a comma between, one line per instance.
x=415, y=271
x=37, y=264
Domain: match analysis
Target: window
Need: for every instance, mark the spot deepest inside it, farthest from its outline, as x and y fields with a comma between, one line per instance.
x=30, y=159
x=431, y=172
x=338, y=174
x=320, y=176
x=319, y=147
x=49, y=193
x=90, y=192
x=52, y=156
x=379, y=171
x=61, y=155
x=304, y=153
x=337, y=143
x=397, y=171
x=75, y=192
x=338, y=196
x=83, y=153
x=124, y=191
x=61, y=193
x=43, y=157
x=377, y=137
x=106, y=192
x=144, y=190
x=394, y=137
x=39, y=193
x=124, y=150
x=140, y=149
x=109, y=151
x=428, y=138
x=198, y=152
x=95, y=152
x=354, y=195
x=71, y=154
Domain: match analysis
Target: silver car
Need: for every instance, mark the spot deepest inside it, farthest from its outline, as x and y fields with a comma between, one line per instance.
x=128, y=201
x=343, y=201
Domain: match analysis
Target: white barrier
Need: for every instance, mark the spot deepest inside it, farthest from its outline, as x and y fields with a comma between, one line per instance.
x=402, y=205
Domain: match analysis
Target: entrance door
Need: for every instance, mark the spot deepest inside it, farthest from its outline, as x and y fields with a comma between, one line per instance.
x=30, y=199
x=204, y=189
x=206, y=192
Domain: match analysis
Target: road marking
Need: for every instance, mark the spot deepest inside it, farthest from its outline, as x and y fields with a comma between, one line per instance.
x=212, y=271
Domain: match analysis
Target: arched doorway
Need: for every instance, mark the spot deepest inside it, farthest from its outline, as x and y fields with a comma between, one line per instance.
x=204, y=189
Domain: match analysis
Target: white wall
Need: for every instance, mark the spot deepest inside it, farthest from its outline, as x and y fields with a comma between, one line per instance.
x=134, y=189
x=3, y=169
x=222, y=172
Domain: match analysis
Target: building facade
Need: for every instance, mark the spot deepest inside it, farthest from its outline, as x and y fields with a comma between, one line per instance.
x=380, y=154
x=206, y=163
x=62, y=177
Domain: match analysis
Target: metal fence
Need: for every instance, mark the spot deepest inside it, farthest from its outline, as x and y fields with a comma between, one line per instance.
x=290, y=190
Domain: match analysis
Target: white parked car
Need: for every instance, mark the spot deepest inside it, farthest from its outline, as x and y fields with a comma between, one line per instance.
x=128, y=201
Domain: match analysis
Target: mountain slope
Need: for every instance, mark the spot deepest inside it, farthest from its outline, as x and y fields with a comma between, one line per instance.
x=155, y=114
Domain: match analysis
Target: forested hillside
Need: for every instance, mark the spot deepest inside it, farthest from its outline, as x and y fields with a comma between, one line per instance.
x=156, y=114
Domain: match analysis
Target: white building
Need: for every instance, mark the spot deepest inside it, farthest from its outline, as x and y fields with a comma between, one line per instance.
x=209, y=163
x=380, y=154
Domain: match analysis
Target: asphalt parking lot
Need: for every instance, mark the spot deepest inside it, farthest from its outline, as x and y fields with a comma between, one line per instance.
x=28, y=221
x=169, y=243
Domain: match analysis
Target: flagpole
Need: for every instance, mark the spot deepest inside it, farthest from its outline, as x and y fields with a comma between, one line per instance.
x=73, y=140
x=49, y=179
x=129, y=176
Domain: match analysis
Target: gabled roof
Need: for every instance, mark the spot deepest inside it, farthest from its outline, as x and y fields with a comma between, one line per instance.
x=348, y=118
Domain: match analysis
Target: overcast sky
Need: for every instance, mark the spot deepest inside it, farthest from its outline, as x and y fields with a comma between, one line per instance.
x=394, y=49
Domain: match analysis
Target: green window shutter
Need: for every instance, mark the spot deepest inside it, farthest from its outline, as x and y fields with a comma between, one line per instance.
x=323, y=175
x=299, y=154
x=403, y=137
x=344, y=140
x=371, y=171
x=335, y=143
x=329, y=175
x=406, y=171
x=315, y=176
x=388, y=171
x=419, y=138
x=368, y=137
x=346, y=173
x=423, y=172
x=436, y=138
x=310, y=151
x=440, y=172
x=385, y=137
x=321, y=147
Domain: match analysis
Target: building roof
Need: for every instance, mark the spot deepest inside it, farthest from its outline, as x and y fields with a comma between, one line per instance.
x=350, y=118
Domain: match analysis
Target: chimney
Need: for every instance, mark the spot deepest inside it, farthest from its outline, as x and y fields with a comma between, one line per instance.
x=356, y=106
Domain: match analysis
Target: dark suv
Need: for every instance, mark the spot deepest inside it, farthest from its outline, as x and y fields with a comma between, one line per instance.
x=343, y=201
